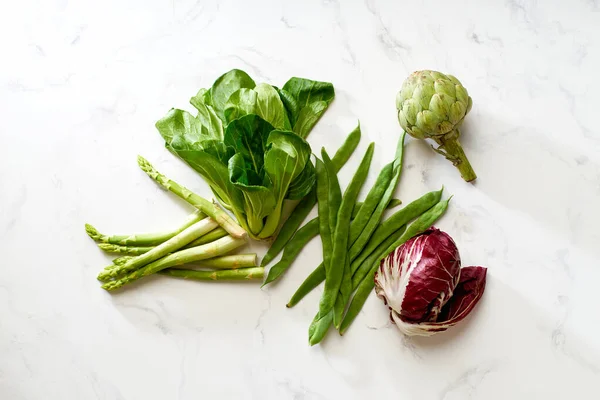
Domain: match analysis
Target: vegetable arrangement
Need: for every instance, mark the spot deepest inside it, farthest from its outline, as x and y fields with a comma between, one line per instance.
x=353, y=244
x=247, y=141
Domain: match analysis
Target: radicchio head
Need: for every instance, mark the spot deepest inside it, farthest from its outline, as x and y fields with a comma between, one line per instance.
x=424, y=286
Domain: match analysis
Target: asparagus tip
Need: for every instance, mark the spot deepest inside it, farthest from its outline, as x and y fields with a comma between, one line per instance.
x=108, y=286
x=104, y=275
x=108, y=247
x=143, y=163
x=93, y=233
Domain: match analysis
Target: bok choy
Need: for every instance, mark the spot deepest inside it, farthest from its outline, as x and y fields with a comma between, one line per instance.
x=247, y=140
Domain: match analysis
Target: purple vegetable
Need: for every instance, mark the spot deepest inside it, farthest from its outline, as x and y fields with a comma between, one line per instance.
x=424, y=286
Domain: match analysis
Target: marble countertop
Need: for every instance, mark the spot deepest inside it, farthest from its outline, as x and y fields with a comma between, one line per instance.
x=81, y=86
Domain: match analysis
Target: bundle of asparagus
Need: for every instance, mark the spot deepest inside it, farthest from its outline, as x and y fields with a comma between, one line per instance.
x=200, y=242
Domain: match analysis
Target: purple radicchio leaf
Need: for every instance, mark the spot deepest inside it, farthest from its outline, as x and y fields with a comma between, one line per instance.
x=425, y=288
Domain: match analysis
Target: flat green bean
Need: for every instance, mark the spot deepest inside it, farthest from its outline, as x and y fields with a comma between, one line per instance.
x=305, y=205
x=328, y=212
x=297, y=243
x=399, y=218
x=341, y=237
x=323, y=206
x=392, y=204
x=302, y=236
x=335, y=191
x=342, y=155
x=365, y=235
x=372, y=200
x=312, y=281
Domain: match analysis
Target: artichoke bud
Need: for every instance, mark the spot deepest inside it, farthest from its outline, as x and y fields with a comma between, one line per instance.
x=432, y=105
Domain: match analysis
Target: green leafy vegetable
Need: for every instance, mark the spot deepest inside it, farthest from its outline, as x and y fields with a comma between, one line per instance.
x=306, y=101
x=247, y=142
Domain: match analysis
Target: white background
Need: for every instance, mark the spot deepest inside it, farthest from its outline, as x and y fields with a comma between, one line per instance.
x=81, y=85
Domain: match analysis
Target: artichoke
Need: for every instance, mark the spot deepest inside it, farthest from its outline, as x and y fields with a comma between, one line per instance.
x=433, y=105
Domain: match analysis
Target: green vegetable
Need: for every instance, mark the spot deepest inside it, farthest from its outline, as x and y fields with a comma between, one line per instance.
x=302, y=236
x=398, y=219
x=392, y=204
x=144, y=239
x=312, y=281
x=216, y=248
x=433, y=105
x=209, y=237
x=222, y=275
x=372, y=200
x=171, y=245
x=304, y=207
x=297, y=243
x=310, y=100
x=342, y=236
x=330, y=209
x=228, y=262
x=247, y=142
x=324, y=210
x=212, y=210
x=129, y=250
x=337, y=278
x=365, y=286
x=364, y=236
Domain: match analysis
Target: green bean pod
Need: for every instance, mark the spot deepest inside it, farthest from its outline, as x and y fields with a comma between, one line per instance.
x=291, y=250
x=312, y=281
x=342, y=233
x=371, y=201
x=297, y=243
x=335, y=192
x=398, y=219
x=392, y=204
x=334, y=283
x=323, y=206
x=365, y=235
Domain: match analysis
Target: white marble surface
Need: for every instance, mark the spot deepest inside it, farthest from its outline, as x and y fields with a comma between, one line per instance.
x=81, y=85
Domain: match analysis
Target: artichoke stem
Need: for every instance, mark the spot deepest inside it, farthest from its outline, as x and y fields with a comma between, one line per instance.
x=450, y=145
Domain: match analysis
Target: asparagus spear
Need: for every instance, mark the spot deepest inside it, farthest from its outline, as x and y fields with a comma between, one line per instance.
x=171, y=245
x=210, y=209
x=128, y=250
x=227, y=262
x=209, y=237
x=224, y=262
x=216, y=248
x=227, y=274
x=143, y=239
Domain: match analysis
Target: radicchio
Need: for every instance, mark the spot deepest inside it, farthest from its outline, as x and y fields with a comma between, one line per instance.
x=424, y=286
